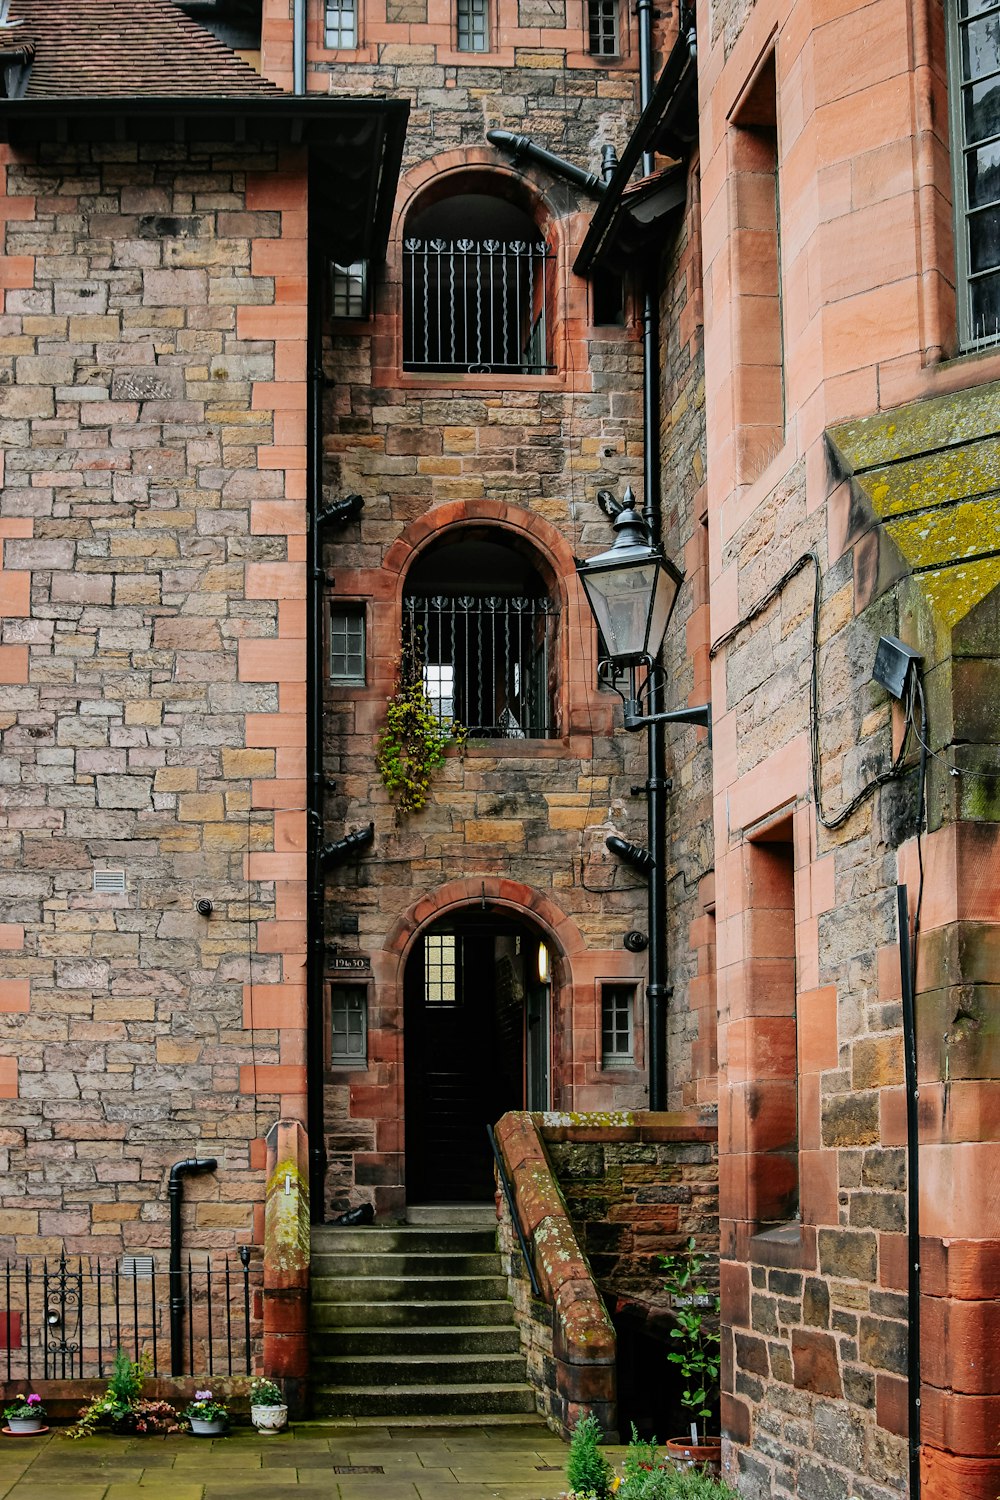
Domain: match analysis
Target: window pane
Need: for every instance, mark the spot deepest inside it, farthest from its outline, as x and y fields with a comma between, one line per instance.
x=984, y=239
x=985, y=307
x=347, y=645
x=983, y=169
x=341, y=23
x=981, y=47
x=441, y=969
x=975, y=7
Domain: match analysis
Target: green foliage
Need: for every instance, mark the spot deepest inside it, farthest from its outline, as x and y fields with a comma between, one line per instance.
x=264, y=1392
x=122, y=1407
x=671, y=1483
x=413, y=741
x=588, y=1472
x=696, y=1311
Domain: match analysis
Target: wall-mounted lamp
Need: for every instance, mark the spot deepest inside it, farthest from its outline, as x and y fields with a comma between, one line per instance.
x=544, y=964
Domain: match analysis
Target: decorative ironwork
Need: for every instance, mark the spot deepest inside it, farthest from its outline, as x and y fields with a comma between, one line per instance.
x=477, y=306
x=64, y=1320
x=485, y=660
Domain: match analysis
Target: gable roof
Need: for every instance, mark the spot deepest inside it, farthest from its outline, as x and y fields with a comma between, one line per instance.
x=126, y=48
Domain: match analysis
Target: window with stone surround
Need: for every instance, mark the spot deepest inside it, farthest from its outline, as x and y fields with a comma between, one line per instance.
x=974, y=99
x=478, y=286
x=617, y=1024
x=349, y=290
x=472, y=25
x=347, y=644
x=480, y=628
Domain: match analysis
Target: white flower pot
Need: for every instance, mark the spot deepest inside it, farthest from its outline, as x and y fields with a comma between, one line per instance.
x=24, y=1424
x=269, y=1419
x=201, y=1428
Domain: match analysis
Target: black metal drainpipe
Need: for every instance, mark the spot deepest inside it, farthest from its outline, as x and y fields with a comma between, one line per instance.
x=657, y=785
x=912, y=1188
x=175, y=1193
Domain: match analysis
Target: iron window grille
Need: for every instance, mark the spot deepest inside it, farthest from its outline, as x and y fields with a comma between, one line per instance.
x=349, y=289
x=472, y=25
x=477, y=306
x=341, y=28
x=347, y=645
x=974, y=68
x=602, y=19
x=348, y=1026
x=485, y=660
x=617, y=1009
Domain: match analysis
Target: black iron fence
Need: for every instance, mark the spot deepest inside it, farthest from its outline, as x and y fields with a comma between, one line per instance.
x=476, y=305
x=63, y=1319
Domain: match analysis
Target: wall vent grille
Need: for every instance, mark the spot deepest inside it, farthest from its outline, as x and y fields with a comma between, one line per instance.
x=109, y=882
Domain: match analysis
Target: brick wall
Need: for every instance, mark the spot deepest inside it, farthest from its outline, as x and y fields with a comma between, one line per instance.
x=152, y=413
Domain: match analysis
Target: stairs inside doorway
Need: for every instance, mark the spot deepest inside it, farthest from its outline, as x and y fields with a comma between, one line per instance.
x=413, y=1321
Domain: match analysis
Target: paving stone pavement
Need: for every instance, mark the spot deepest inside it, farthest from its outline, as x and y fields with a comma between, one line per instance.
x=514, y=1462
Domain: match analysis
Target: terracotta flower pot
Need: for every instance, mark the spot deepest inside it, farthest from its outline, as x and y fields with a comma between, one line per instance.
x=706, y=1454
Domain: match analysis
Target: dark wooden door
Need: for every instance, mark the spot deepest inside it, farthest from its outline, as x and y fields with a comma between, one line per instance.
x=459, y=1076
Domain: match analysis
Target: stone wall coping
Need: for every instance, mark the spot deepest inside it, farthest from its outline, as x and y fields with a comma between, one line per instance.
x=623, y=1126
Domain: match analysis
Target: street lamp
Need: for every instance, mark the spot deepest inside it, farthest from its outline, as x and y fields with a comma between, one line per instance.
x=631, y=590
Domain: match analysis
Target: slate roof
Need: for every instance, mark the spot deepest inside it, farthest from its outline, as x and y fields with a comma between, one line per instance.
x=125, y=48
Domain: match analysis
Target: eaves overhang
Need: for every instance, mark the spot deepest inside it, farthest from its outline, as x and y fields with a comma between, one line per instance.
x=668, y=125
x=355, y=143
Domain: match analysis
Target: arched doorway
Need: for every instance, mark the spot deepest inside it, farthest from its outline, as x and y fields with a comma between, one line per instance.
x=476, y=1043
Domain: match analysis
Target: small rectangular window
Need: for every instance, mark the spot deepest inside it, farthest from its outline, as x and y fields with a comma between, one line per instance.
x=473, y=29
x=347, y=645
x=341, y=24
x=441, y=975
x=617, y=1025
x=974, y=87
x=348, y=1026
x=349, y=290
x=602, y=18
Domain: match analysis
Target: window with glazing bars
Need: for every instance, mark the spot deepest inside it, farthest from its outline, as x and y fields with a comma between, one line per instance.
x=602, y=17
x=348, y=1026
x=617, y=1006
x=473, y=25
x=349, y=290
x=341, y=28
x=974, y=78
x=347, y=644
x=485, y=661
x=441, y=974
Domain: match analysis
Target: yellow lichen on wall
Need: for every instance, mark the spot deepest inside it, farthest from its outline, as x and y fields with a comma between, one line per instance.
x=286, y=1217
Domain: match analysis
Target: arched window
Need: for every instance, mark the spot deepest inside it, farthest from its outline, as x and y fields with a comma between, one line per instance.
x=479, y=627
x=477, y=290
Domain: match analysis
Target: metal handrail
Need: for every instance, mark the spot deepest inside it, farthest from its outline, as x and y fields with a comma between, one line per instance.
x=508, y=1193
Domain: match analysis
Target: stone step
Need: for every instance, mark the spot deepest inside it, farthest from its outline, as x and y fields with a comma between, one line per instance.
x=449, y=1400
x=328, y=1313
x=329, y=1264
x=374, y=1289
x=452, y=1213
x=449, y=1238
x=419, y=1369
x=404, y=1342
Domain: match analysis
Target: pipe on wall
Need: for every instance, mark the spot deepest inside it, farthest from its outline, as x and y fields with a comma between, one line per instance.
x=189, y=1167
x=299, y=46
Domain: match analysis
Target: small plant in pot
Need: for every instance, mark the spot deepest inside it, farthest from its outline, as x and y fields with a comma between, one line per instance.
x=26, y=1414
x=207, y=1417
x=268, y=1410
x=696, y=1353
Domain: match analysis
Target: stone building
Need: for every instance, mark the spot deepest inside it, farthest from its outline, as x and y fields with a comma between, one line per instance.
x=776, y=318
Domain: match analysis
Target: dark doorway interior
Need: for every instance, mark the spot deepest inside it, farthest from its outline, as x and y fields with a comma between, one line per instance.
x=476, y=1044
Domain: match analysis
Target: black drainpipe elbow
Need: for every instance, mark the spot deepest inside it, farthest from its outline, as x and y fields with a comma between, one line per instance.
x=189, y=1167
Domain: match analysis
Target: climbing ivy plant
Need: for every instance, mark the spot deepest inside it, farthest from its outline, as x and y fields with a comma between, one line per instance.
x=413, y=741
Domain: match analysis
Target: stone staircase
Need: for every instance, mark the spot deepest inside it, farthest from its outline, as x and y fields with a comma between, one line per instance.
x=414, y=1321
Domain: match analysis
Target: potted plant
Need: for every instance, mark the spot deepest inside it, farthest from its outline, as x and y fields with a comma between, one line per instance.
x=647, y=1475
x=207, y=1417
x=268, y=1410
x=697, y=1354
x=26, y=1414
x=123, y=1408
x=588, y=1473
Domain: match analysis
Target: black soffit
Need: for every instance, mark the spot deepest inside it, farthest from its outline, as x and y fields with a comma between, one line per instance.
x=355, y=145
